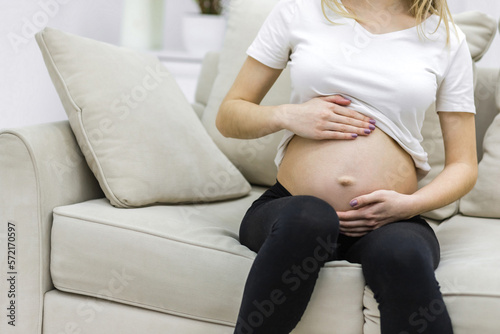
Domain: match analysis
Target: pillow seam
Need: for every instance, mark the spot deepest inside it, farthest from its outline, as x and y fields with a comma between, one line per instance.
x=80, y=121
x=51, y=58
x=97, y=162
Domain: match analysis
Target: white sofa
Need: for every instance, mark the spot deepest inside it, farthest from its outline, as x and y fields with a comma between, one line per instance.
x=85, y=266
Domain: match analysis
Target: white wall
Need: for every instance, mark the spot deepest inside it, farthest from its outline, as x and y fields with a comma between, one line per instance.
x=27, y=95
x=26, y=92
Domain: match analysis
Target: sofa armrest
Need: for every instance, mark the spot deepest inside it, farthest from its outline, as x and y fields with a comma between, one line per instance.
x=41, y=167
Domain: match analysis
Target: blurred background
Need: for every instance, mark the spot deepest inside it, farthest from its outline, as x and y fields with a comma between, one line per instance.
x=175, y=30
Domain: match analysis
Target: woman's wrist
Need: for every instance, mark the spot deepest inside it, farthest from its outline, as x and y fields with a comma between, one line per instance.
x=425, y=199
x=416, y=204
x=280, y=116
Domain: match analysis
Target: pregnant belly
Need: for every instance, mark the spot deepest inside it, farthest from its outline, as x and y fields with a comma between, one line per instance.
x=339, y=170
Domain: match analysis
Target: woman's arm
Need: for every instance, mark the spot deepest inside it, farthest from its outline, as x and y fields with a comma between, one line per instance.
x=241, y=116
x=455, y=180
x=460, y=172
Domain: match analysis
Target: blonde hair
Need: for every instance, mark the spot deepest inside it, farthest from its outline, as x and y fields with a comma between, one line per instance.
x=420, y=9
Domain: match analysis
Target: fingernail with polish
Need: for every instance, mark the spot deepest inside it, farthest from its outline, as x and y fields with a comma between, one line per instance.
x=354, y=135
x=372, y=121
x=372, y=127
x=354, y=202
x=367, y=131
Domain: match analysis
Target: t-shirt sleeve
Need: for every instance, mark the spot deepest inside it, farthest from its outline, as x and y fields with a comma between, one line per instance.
x=272, y=45
x=456, y=92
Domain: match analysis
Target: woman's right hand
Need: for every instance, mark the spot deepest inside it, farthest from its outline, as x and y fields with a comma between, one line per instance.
x=326, y=117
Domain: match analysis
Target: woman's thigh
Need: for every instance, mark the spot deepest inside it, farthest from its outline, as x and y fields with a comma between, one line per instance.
x=294, y=218
x=400, y=239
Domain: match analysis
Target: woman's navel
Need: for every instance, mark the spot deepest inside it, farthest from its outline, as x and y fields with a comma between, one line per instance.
x=346, y=180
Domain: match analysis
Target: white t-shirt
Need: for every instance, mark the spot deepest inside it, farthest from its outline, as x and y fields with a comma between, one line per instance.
x=392, y=77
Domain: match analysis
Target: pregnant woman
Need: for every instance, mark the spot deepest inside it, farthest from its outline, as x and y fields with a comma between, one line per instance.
x=363, y=75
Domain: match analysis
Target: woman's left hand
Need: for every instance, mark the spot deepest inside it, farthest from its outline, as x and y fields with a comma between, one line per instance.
x=374, y=210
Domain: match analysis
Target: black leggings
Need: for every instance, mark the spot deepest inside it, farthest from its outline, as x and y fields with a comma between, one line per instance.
x=295, y=235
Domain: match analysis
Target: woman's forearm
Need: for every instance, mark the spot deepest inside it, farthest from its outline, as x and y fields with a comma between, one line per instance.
x=460, y=172
x=247, y=120
x=456, y=180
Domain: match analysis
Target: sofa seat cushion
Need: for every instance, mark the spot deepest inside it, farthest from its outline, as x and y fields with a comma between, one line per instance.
x=184, y=260
x=470, y=256
x=469, y=272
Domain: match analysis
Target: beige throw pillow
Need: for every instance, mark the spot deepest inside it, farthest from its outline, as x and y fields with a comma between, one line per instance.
x=480, y=30
x=139, y=134
x=484, y=199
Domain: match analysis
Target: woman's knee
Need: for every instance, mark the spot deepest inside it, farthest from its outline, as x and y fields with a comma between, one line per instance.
x=400, y=247
x=406, y=261
x=308, y=218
